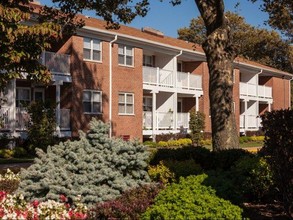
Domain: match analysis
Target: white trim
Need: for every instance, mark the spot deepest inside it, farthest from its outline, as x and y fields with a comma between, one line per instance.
x=92, y=49
x=125, y=47
x=92, y=91
x=125, y=103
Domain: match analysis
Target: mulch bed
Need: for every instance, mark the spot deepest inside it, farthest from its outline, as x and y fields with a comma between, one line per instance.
x=265, y=211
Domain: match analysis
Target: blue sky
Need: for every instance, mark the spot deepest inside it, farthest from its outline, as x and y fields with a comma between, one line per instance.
x=168, y=19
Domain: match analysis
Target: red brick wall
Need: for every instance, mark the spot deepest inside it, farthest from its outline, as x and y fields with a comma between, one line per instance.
x=95, y=76
x=281, y=88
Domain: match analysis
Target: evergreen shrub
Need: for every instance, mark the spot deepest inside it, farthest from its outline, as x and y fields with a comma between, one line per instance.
x=278, y=147
x=95, y=167
x=196, y=125
x=130, y=205
x=183, y=168
x=189, y=199
x=161, y=174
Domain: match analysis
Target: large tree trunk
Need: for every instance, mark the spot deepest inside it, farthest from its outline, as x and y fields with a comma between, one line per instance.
x=220, y=54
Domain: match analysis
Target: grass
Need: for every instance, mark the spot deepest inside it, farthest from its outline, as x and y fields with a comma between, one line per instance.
x=251, y=144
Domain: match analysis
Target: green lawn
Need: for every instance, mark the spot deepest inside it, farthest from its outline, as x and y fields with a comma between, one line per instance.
x=244, y=145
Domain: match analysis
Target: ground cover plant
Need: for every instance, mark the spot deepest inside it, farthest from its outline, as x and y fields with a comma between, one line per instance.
x=95, y=167
x=190, y=199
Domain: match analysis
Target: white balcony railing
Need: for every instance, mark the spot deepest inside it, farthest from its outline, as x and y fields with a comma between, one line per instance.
x=248, y=89
x=56, y=63
x=164, y=78
x=65, y=119
x=188, y=81
x=250, y=121
x=165, y=120
x=22, y=119
x=4, y=118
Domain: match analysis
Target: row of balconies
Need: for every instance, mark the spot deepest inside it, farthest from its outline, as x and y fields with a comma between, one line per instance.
x=60, y=64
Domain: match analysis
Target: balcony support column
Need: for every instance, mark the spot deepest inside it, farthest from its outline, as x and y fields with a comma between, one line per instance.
x=58, y=115
x=196, y=104
x=175, y=108
x=245, y=116
x=154, y=114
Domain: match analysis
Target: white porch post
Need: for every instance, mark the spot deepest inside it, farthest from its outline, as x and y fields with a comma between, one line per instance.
x=154, y=114
x=175, y=103
x=196, y=104
x=58, y=118
x=245, y=116
x=270, y=106
x=12, y=105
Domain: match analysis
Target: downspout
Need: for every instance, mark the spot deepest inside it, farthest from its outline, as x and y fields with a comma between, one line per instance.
x=175, y=113
x=110, y=84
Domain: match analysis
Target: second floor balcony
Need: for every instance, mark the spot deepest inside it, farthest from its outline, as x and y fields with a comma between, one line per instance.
x=166, y=78
x=58, y=64
x=253, y=90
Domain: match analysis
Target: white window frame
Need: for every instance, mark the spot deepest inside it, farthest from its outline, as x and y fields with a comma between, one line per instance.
x=92, y=101
x=18, y=91
x=124, y=103
x=39, y=90
x=92, y=49
x=124, y=54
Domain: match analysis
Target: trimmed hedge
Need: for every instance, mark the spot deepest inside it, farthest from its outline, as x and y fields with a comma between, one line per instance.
x=189, y=199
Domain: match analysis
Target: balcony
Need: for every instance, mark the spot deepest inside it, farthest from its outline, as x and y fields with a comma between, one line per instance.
x=4, y=118
x=250, y=122
x=252, y=90
x=58, y=64
x=165, y=78
x=22, y=119
x=165, y=120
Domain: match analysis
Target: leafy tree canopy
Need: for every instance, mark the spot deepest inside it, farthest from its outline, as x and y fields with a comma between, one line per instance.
x=254, y=43
x=280, y=15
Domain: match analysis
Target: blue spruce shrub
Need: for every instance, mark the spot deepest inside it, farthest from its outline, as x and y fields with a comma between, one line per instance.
x=96, y=167
x=189, y=199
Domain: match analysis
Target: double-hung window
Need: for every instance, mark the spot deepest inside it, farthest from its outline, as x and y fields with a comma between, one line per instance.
x=147, y=103
x=125, y=55
x=23, y=97
x=92, y=49
x=92, y=101
x=126, y=103
x=148, y=60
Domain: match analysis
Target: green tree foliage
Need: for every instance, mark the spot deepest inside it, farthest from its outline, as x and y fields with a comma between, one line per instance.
x=42, y=125
x=189, y=199
x=278, y=128
x=280, y=15
x=196, y=125
x=255, y=44
x=96, y=167
x=21, y=44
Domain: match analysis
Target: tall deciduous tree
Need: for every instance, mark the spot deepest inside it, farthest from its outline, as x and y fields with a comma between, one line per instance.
x=256, y=44
x=22, y=44
x=220, y=53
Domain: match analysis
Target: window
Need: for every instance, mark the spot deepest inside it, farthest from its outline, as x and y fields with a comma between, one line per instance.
x=148, y=60
x=125, y=55
x=147, y=104
x=92, y=101
x=91, y=49
x=23, y=97
x=126, y=103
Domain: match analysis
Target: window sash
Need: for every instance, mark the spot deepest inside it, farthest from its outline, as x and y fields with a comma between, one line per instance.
x=92, y=49
x=125, y=55
x=126, y=104
x=92, y=101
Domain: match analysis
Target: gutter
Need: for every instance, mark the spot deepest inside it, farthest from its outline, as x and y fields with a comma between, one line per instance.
x=110, y=84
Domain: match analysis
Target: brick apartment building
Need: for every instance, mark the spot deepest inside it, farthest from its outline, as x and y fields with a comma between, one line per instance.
x=141, y=81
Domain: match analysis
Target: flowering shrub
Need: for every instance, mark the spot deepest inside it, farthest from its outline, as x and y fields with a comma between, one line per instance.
x=15, y=207
x=9, y=181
